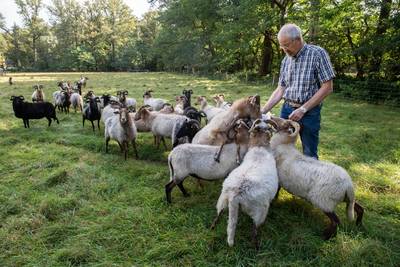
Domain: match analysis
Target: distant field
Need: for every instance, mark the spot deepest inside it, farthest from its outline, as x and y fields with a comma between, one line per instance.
x=64, y=202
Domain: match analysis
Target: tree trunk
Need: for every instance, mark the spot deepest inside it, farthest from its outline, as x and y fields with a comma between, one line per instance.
x=267, y=55
x=314, y=21
x=383, y=25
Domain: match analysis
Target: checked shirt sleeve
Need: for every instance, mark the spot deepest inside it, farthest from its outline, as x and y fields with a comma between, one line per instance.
x=324, y=68
x=282, y=74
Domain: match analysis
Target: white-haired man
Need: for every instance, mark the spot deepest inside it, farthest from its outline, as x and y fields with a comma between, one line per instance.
x=305, y=80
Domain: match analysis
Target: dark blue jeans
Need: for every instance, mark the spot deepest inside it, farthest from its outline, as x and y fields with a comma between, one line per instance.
x=310, y=126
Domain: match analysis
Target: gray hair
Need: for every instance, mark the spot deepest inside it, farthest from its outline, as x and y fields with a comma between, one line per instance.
x=290, y=30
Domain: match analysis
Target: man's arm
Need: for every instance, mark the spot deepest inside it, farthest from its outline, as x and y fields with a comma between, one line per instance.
x=320, y=95
x=273, y=99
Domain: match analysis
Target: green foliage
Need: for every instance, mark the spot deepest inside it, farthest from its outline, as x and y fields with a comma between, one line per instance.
x=65, y=202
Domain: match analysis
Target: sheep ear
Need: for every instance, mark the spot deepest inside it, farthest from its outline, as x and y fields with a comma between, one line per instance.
x=22, y=97
x=273, y=124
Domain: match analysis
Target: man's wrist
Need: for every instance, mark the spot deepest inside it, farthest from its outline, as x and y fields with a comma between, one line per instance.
x=303, y=109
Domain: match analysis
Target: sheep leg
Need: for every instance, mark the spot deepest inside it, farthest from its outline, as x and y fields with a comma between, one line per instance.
x=83, y=121
x=92, y=125
x=125, y=146
x=168, y=190
x=218, y=154
x=360, y=212
x=98, y=124
x=330, y=231
x=135, y=148
x=277, y=193
x=27, y=123
x=107, y=140
x=254, y=237
x=163, y=140
x=184, y=192
x=238, y=159
x=120, y=147
x=216, y=219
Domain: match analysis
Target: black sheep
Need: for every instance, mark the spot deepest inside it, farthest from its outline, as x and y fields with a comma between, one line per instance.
x=188, y=95
x=27, y=111
x=92, y=112
x=188, y=129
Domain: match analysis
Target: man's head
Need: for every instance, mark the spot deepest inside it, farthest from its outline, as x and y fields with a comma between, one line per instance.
x=290, y=39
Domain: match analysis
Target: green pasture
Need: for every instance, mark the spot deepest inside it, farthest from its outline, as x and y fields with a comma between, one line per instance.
x=64, y=202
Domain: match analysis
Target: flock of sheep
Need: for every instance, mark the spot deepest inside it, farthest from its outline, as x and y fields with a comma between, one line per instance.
x=255, y=153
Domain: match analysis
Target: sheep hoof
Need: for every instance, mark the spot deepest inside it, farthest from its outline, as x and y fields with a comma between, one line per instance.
x=329, y=233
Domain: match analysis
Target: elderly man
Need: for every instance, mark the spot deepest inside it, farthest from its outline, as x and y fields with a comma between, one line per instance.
x=305, y=80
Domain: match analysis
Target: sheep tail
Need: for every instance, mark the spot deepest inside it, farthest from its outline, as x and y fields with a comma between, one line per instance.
x=171, y=168
x=222, y=202
x=350, y=200
x=233, y=218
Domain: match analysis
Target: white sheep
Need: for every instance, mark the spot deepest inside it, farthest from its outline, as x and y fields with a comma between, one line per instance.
x=322, y=183
x=178, y=109
x=252, y=185
x=197, y=160
x=122, y=129
x=209, y=110
x=155, y=103
x=76, y=101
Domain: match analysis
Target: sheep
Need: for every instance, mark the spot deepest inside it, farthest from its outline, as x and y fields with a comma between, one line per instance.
x=27, y=111
x=161, y=125
x=91, y=112
x=196, y=160
x=210, y=111
x=252, y=185
x=10, y=81
x=214, y=133
x=38, y=94
x=178, y=109
x=322, y=183
x=220, y=102
x=122, y=129
x=128, y=102
x=76, y=101
x=186, y=131
x=155, y=103
x=82, y=81
x=188, y=96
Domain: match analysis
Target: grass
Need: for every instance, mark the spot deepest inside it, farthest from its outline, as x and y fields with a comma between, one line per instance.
x=64, y=202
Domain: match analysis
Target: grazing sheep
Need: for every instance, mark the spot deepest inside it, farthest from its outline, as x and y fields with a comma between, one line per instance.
x=76, y=101
x=155, y=103
x=252, y=185
x=38, y=94
x=91, y=112
x=210, y=111
x=122, y=129
x=196, y=160
x=322, y=183
x=27, y=111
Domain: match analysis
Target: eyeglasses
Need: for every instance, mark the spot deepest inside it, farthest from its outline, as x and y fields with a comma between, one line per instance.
x=287, y=45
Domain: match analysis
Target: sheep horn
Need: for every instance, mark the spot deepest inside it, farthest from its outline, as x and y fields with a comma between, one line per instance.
x=257, y=121
x=273, y=124
x=296, y=127
x=12, y=98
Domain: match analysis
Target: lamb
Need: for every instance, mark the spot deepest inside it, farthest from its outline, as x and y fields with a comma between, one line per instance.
x=322, y=183
x=27, y=111
x=220, y=102
x=76, y=101
x=91, y=112
x=155, y=103
x=122, y=129
x=215, y=132
x=252, y=185
x=196, y=160
x=38, y=94
x=210, y=111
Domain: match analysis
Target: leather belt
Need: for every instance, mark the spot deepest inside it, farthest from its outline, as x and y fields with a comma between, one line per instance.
x=293, y=104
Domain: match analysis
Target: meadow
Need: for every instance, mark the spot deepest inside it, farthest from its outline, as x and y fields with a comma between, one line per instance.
x=65, y=202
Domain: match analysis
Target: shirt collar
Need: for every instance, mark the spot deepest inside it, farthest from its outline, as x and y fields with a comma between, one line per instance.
x=301, y=51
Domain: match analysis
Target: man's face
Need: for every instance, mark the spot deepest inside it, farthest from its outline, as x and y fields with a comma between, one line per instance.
x=289, y=46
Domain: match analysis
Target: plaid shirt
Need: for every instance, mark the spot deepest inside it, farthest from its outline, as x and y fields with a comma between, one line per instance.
x=302, y=76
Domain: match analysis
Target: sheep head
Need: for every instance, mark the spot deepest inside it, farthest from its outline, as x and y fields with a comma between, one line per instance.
x=247, y=107
x=123, y=115
x=261, y=132
x=288, y=131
